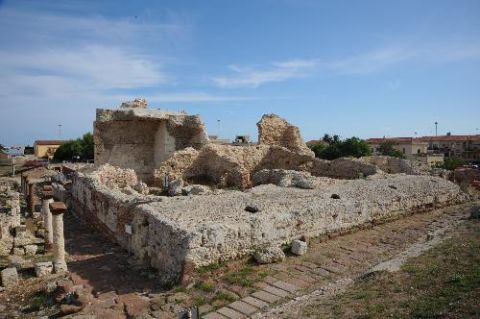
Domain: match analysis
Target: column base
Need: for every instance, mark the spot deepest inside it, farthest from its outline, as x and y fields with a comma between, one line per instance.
x=60, y=267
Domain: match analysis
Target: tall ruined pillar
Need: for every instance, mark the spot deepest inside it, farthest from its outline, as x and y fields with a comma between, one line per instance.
x=31, y=197
x=47, y=216
x=58, y=209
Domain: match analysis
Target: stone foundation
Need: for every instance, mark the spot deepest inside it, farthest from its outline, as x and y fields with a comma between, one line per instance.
x=174, y=233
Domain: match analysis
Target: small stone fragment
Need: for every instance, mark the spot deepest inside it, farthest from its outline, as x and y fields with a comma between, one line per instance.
x=269, y=255
x=18, y=251
x=299, y=247
x=9, y=277
x=43, y=268
x=20, y=231
x=31, y=250
x=175, y=187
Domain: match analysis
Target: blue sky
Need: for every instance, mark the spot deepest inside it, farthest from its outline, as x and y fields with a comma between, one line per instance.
x=363, y=68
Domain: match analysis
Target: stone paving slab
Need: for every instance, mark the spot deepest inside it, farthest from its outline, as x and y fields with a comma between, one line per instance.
x=213, y=315
x=276, y=291
x=230, y=313
x=242, y=307
x=292, y=279
x=205, y=308
x=270, y=279
x=260, y=304
x=266, y=296
x=309, y=264
x=285, y=286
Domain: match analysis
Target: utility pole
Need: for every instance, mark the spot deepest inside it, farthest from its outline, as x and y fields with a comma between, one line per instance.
x=218, y=133
x=60, y=131
x=436, y=127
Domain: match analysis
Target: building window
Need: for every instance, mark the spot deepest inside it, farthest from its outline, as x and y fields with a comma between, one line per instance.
x=418, y=151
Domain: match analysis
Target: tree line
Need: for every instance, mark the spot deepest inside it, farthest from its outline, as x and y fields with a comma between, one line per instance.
x=331, y=147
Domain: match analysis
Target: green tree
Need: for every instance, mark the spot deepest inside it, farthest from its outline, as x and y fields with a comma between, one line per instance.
x=387, y=148
x=355, y=147
x=2, y=149
x=81, y=148
x=333, y=147
x=87, y=146
x=452, y=163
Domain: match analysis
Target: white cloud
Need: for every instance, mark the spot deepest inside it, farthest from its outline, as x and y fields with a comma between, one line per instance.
x=370, y=62
x=88, y=68
x=275, y=72
x=195, y=97
x=361, y=64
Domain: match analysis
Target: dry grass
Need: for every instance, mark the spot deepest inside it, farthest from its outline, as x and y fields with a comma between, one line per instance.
x=442, y=283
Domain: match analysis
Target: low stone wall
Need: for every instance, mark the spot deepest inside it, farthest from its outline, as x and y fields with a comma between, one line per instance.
x=129, y=221
x=173, y=233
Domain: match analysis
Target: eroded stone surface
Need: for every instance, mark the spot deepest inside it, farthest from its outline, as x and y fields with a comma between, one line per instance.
x=205, y=229
x=268, y=255
x=273, y=130
x=141, y=139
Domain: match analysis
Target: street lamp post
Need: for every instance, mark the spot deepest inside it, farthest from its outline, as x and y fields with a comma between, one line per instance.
x=436, y=127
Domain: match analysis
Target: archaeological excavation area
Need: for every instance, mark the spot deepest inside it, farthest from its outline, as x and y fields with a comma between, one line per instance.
x=167, y=223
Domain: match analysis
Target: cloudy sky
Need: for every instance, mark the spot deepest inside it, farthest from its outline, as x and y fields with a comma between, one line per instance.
x=364, y=68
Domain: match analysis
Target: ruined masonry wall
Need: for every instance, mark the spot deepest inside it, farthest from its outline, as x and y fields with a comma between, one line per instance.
x=142, y=232
x=141, y=139
x=167, y=232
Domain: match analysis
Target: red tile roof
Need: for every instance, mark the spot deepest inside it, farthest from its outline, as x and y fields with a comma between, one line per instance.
x=439, y=138
x=49, y=142
x=450, y=138
x=400, y=140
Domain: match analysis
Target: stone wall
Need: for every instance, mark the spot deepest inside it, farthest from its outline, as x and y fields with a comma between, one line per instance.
x=141, y=139
x=129, y=221
x=9, y=219
x=170, y=232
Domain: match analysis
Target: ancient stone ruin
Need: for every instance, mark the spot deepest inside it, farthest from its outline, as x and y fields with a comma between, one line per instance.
x=138, y=138
x=205, y=202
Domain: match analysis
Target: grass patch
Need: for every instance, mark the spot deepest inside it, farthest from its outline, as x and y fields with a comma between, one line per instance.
x=211, y=267
x=442, y=283
x=224, y=297
x=245, y=277
x=205, y=286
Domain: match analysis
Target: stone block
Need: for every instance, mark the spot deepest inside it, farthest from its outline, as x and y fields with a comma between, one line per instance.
x=43, y=268
x=18, y=251
x=299, y=247
x=30, y=250
x=9, y=277
x=269, y=255
x=20, y=231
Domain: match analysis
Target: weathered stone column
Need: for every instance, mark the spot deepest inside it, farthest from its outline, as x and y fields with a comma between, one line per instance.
x=58, y=209
x=47, y=216
x=31, y=197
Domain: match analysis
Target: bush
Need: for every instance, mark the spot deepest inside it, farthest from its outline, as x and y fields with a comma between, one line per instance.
x=452, y=163
x=332, y=147
x=386, y=148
